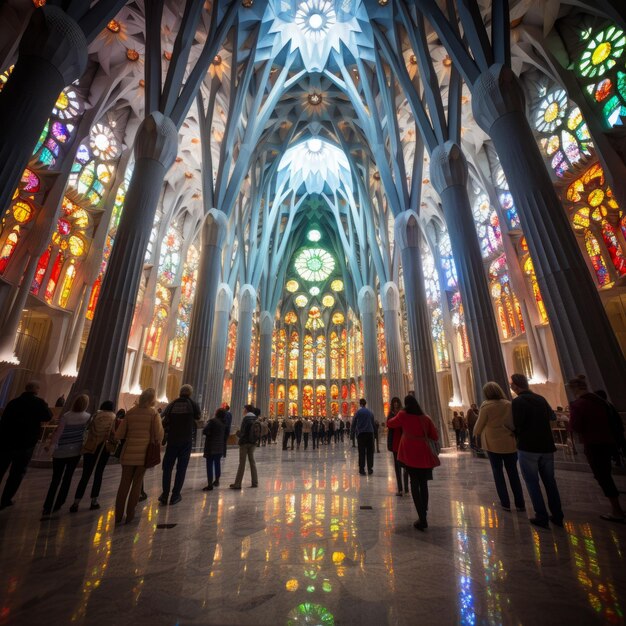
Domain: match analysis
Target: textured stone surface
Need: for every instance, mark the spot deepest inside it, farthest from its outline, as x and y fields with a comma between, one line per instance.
x=253, y=556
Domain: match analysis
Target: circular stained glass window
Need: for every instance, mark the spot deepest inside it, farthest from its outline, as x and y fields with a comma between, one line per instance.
x=596, y=197
x=602, y=52
x=301, y=301
x=291, y=318
x=22, y=212
x=328, y=300
x=292, y=286
x=64, y=227
x=314, y=235
x=314, y=264
x=314, y=312
x=314, y=291
x=77, y=246
x=338, y=318
x=337, y=285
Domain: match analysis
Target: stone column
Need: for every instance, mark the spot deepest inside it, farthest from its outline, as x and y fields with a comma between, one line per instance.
x=448, y=173
x=103, y=363
x=266, y=326
x=584, y=338
x=219, y=345
x=203, y=311
x=390, y=297
x=368, y=305
x=52, y=54
x=241, y=368
x=407, y=236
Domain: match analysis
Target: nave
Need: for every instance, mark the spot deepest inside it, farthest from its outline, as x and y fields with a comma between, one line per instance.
x=301, y=549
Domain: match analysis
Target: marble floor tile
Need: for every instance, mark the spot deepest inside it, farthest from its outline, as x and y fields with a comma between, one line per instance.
x=301, y=550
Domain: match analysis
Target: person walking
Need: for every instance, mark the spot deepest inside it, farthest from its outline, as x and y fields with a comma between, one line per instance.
x=415, y=453
x=95, y=454
x=315, y=432
x=598, y=426
x=228, y=420
x=306, y=431
x=214, y=447
x=495, y=426
x=288, y=432
x=297, y=430
x=363, y=428
x=393, y=444
x=140, y=427
x=66, y=443
x=471, y=418
x=20, y=425
x=247, y=444
x=457, y=425
x=179, y=424
x=535, y=449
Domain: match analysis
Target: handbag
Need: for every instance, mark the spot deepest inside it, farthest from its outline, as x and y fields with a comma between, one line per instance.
x=153, y=451
x=435, y=446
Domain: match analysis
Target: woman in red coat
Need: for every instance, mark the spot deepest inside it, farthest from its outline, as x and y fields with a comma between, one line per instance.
x=393, y=443
x=415, y=454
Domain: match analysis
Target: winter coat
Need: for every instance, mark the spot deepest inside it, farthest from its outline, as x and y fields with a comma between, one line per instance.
x=20, y=423
x=67, y=441
x=414, y=450
x=98, y=430
x=215, y=442
x=136, y=429
x=495, y=427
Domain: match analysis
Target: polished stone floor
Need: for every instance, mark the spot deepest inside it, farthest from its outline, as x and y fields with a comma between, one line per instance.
x=306, y=548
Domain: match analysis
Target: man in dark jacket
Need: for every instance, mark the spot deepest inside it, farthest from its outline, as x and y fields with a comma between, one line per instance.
x=228, y=421
x=247, y=446
x=20, y=426
x=363, y=428
x=535, y=448
x=179, y=424
x=214, y=447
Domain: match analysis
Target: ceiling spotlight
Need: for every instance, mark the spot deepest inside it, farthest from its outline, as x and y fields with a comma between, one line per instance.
x=316, y=21
x=314, y=145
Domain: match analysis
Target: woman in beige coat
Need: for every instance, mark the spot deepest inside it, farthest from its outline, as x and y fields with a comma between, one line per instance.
x=142, y=423
x=495, y=427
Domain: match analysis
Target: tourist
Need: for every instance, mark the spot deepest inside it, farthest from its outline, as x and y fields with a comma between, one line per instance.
x=247, y=444
x=297, y=429
x=594, y=421
x=20, y=426
x=66, y=445
x=321, y=433
x=415, y=453
x=274, y=429
x=393, y=443
x=95, y=454
x=535, y=448
x=228, y=420
x=60, y=402
x=288, y=432
x=363, y=429
x=376, y=429
x=179, y=424
x=265, y=431
x=471, y=418
x=306, y=431
x=495, y=426
x=342, y=429
x=140, y=427
x=214, y=447
x=315, y=431
x=457, y=424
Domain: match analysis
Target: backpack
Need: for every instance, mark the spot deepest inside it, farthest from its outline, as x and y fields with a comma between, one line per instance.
x=254, y=432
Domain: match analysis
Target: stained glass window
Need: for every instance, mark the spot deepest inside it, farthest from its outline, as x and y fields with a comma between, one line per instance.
x=314, y=264
x=447, y=262
x=8, y=248
x=529, y=270
x=292, y=286
x=66, y=286
x=169, y=258
x=487, y=223
x=291, y=318
x=338, y=318
x=336, y=285
x=300, y=301
x=328, y=300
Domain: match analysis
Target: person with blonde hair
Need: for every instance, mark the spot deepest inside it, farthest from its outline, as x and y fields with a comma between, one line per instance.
x=140, y=426
x=495, y=427
x=597, y=424
x=67, y=445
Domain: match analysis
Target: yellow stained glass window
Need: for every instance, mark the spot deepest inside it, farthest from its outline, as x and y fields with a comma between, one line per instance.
x=22, y=212
x=291, y=286
x=76, y=245
x=66, y=287
x=337, y=285
x=338, y=318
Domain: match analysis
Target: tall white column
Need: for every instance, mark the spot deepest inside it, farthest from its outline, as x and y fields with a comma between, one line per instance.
x=368, y=306
x=266, y=326
x=390, y=296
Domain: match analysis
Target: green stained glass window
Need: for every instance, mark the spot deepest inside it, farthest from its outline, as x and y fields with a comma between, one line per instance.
x=314, y=264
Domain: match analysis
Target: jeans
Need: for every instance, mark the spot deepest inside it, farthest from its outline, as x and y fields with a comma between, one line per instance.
x=213, y=467
x=366, y=447
x=509, y=461
x=178, y=454
x=246, y=450
x=535, y=465
x=457, y=434
x=62, y=472
x=18, y=460
x=399, y=474
x=305, y=436
x=130, y=488
x=314, y=438
x=97, y=460
x=419, y=490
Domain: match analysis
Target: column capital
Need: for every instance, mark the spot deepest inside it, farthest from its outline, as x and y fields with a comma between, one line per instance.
x=407, y=228
x=224, y=298
x=157, y=139
x=266, y=323
x=495, y=93
x=53, y=36
x=367, y=300
x=448, y=167
x=215, y=228
x=390, y=296
x=247, y=298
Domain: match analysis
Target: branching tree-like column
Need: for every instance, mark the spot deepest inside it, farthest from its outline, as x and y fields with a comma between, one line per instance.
x=390, y=297
x=266, y=326
x=201, y=326
x=407, y=231
x=241, y=369
x=585, y=340
x=368, y=306
x=448, y=173
x=52, y=54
